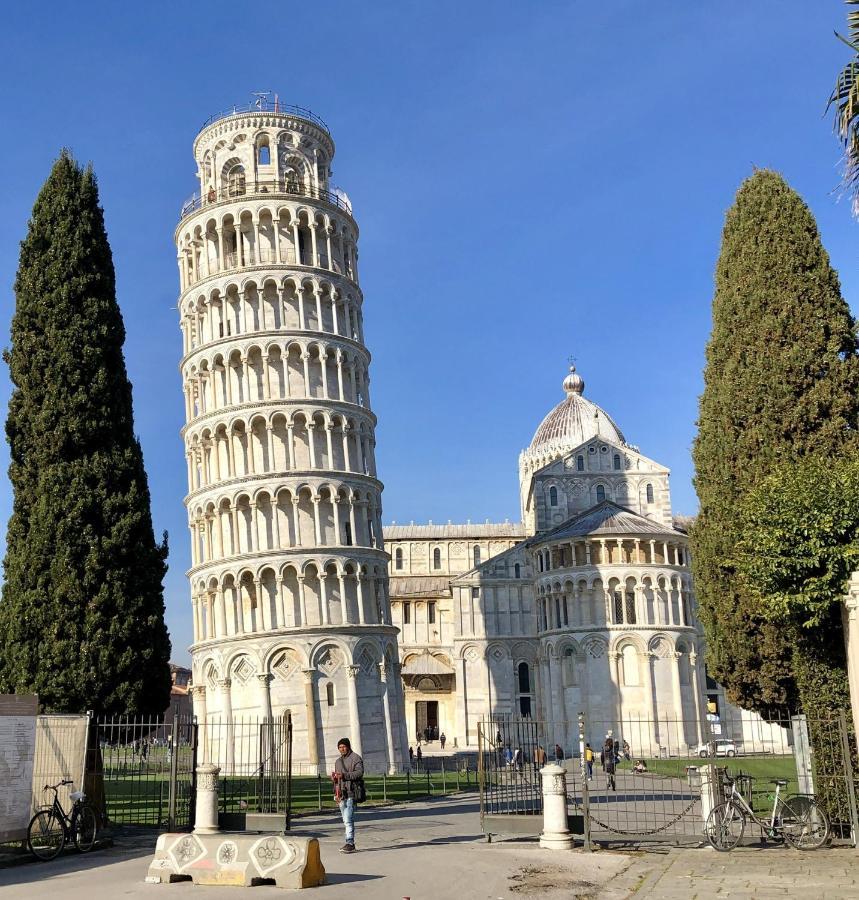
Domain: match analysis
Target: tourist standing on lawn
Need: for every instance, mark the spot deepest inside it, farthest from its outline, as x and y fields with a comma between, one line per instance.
x=348, y=778
x=609, y=763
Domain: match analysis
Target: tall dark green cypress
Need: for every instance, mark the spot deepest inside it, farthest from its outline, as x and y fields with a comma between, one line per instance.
x=82, y=611
x=781, y=383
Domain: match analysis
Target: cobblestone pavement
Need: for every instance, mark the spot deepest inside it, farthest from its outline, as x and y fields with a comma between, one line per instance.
x=694, y=874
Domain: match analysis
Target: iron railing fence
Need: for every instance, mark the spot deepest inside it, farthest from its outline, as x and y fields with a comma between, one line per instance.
x=145, y=768
x=265, y=104
x=647, y=775
x=254, y=189
x=254, y=755
x=661, y=767
x=511, y=752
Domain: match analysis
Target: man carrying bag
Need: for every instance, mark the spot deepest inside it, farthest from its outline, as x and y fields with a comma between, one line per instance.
x=349, y=789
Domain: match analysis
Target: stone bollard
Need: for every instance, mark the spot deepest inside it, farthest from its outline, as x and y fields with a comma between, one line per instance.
x=706, y=779
x=556, y=833
x=206, y=809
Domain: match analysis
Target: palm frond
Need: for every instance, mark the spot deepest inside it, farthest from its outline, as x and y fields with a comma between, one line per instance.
x=853, y=21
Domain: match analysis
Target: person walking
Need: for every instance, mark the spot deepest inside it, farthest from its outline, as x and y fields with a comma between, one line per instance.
x=348, y=778
x=442, y=740
x=609, y=763
x=559, y=753
x=539, y=756
x=411, y=756
x=589, y=762
x=420, y=756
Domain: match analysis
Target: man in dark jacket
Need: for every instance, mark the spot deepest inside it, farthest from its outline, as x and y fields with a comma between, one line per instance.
x=348, y=770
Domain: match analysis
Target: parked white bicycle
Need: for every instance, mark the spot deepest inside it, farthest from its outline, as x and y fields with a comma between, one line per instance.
x=799, y=821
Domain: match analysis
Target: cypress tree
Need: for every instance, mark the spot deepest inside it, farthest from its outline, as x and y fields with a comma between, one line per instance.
x=781, y=383
x=82, y=611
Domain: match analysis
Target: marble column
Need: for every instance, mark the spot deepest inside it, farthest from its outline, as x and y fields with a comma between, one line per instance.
x=462, y=703
x=678, y=736
x=225, y=684
x=384, y=672
x=310, y=712
x=354, y=717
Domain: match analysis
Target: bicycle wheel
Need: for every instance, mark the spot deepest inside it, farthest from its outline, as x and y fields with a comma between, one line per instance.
x=84, y=828
x=725, y=827
x=46, y=835
x=804, y=823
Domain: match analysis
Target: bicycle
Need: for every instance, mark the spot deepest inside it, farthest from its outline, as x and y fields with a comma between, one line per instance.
x=800, y=822
x=51, y=827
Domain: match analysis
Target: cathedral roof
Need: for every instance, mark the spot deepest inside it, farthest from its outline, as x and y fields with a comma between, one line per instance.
x=574, y=420
x=605, y=519
x=439, y=532
x=420, y=585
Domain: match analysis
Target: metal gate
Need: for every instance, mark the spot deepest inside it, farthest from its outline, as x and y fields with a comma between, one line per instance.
x=510, y=756
x=142, y=771
x=254, y=755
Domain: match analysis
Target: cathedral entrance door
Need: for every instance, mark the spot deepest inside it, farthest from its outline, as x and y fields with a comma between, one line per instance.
x=426, y=719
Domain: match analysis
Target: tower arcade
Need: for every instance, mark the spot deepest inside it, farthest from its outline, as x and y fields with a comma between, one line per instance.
x=288, y=577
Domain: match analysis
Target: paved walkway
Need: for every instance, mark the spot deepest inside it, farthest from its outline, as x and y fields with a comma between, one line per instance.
x=758, y=872
x=434, y=851
x=431, y=850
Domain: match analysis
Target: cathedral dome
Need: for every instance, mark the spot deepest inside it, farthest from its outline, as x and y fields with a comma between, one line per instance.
x=574, y=420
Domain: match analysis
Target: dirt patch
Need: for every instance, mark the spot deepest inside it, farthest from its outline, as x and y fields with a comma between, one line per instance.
x=542, y=879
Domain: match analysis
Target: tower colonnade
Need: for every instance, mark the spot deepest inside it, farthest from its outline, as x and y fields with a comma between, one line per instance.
x=284, y=505
x=266, y=301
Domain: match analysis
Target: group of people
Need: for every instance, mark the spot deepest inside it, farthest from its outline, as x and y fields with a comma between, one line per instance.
x=430, y=733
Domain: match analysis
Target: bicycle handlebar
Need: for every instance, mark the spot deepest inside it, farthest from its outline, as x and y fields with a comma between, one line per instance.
x=59, y=784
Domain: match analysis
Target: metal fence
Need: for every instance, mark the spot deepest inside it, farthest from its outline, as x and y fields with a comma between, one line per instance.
x=254, y=755
x=646, y=776
x=511, y=753
x=146, y=769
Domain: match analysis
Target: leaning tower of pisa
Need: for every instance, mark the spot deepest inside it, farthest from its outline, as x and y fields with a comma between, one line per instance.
x=288, y=573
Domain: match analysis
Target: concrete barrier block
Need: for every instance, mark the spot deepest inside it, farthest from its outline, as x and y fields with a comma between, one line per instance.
x=237, y=859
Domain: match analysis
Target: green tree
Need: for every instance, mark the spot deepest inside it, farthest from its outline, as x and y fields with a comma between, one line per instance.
x=800, y=539
x=799, y=546
x=82, y=611
x=781, y=382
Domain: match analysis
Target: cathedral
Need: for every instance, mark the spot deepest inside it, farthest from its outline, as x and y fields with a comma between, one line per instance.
x=586, y=606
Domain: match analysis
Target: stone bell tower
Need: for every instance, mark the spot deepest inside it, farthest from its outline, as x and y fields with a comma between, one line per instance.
x=288, y=577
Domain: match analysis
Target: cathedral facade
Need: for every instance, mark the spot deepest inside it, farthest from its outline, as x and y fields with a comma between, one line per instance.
x=585, y=607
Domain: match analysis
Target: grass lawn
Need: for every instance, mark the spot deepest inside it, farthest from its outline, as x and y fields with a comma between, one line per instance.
x=763, y=769
x=142, y=798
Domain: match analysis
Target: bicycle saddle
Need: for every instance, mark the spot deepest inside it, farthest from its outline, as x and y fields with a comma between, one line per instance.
x=779, y=781
x=77, y=795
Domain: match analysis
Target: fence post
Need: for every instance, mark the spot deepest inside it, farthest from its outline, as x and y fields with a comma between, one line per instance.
x=174, y=775
x=443, y=782
x=408, y=784
x=848, y=772
x=429, y=786
x=384, y=788
x=319, y=790
x=586, y=803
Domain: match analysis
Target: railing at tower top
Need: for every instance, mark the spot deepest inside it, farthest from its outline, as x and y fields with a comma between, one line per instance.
x=261, y=188
x=263, y=104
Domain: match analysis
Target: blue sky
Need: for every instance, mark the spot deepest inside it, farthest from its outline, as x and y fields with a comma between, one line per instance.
x=531, y=181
